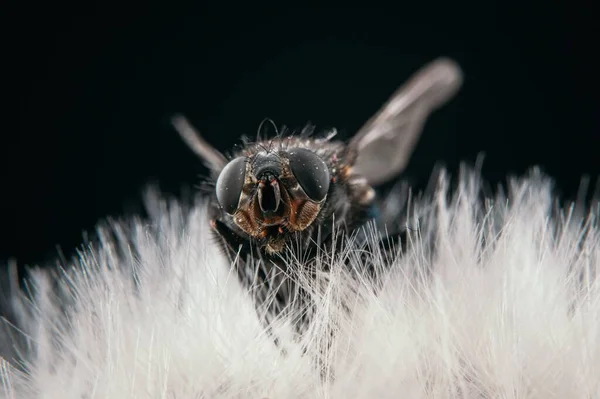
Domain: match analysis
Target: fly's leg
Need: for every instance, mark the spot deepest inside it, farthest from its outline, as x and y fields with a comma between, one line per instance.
x=262, y=276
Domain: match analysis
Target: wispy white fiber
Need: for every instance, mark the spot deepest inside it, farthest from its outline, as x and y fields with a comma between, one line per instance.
x=494, y=298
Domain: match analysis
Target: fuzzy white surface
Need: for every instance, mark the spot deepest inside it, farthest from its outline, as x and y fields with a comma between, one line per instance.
x=492, y=300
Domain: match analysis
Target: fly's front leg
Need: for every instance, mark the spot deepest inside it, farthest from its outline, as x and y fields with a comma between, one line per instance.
x=253, y=274
x=231, y=243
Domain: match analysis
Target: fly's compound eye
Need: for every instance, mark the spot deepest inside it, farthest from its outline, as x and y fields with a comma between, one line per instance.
x=230, y=183
x=311, y=172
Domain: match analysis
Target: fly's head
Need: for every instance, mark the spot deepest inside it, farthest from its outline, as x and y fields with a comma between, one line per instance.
x=271, y=191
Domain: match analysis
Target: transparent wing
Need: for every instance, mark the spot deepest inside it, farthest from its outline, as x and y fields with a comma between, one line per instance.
x=213, y=159
x=382, y=147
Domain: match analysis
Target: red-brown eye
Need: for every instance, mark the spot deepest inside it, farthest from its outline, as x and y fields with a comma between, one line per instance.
x=311, y=172
x=230, y=183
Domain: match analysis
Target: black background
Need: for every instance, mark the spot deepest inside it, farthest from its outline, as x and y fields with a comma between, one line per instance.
x=95, y=85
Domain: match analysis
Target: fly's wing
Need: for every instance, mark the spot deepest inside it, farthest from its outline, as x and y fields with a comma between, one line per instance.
x=382, y=147
x=212, y=158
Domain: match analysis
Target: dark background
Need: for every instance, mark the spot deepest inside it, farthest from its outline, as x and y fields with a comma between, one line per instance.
x=94, y=89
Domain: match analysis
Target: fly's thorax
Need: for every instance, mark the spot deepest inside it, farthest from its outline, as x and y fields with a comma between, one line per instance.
x=360, y=190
